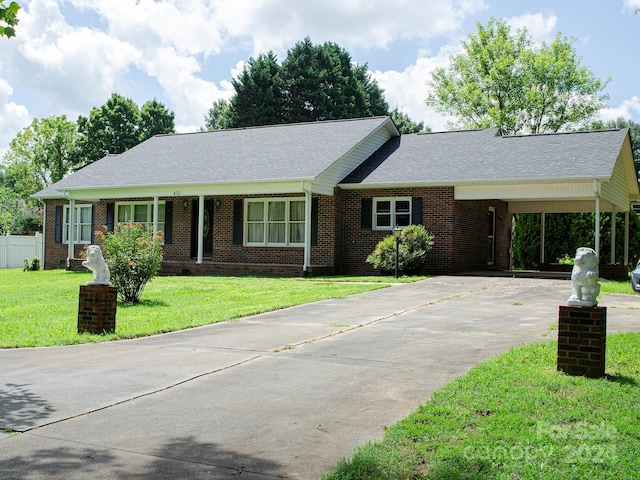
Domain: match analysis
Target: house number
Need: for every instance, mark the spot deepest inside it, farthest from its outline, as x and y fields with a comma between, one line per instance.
x=176, y=193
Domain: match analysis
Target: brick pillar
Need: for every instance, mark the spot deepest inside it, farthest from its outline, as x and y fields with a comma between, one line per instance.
x=582, y=334
x=97, y=309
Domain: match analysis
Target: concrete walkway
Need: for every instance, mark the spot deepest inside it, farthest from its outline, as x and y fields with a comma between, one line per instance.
x=285, y=394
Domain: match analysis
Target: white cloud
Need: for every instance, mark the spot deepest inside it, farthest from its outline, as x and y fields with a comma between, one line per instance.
x=627, y=109
x=407, y=90
x=541, y=27
x=632, y=5
x=13, y=117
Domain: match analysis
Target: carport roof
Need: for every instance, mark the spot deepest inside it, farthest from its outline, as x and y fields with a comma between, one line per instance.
x=481, y=156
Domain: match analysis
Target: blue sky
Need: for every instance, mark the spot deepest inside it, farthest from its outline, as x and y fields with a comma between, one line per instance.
x=70, y=55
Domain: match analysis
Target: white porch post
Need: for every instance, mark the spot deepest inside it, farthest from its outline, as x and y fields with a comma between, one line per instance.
x=307, y=231
x=543, y=222
x=71, y=230
x=155, y=216
x=200, y=227
x=613, y=235
x=597, y=227
x=626, y=237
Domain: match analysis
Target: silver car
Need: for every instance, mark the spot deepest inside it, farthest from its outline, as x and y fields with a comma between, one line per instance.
x=635, y=278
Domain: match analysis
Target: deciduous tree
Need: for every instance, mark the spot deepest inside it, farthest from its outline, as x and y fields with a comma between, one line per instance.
x=8, y=18
x=503, y=80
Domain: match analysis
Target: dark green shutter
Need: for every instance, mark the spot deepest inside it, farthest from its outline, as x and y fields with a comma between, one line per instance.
x=314, y=222
x=416, y=211
x=366, y=213
x=58, y=231
x=111, y=213
x=168, y=222
x=238, y=214
x=93, y=223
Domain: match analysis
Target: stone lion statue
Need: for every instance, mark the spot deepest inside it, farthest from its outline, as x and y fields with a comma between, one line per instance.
x=95, y=262
x=584, y=278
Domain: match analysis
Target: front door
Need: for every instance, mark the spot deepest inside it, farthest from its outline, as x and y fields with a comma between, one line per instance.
x=207, y=231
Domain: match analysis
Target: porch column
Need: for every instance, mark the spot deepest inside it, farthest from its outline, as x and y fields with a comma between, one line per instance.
x=155, y=216
x=543, y=226
x=626, y=237
x=71, y=230
x=597, y=227
x=307, y=231
x=200, y=227
x=613, y=235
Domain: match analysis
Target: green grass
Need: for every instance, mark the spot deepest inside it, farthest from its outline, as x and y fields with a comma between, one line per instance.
x=616, y=287
x=515, y=417
x=41, y=308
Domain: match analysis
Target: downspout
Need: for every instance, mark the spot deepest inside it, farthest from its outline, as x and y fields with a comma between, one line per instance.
x=613, y=235
x=307, y=229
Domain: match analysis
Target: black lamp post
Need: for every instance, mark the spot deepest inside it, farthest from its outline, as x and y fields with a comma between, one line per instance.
x=396, y=233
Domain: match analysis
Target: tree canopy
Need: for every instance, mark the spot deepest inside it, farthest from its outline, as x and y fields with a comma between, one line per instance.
x=119, y=125
x=40, y=154
x=314, y=82
x=8, y=18
x=634, y=134
x=503, y=80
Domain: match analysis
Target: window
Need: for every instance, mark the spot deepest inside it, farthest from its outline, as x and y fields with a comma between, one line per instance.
x=140, y=212
x=83, y=224
x=277, y=221
x=391, y=212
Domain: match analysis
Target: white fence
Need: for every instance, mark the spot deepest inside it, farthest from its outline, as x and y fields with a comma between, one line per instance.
x=15, y=248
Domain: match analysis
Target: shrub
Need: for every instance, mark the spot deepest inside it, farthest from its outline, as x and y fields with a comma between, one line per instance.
x=32, y=266
x=133, y=256
x=415, y=243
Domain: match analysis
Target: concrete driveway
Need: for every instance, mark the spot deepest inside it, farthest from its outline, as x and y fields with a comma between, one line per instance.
x=285, y=394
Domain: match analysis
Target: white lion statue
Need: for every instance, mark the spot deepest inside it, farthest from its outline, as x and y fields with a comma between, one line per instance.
x=95, y=262
x=584, y=278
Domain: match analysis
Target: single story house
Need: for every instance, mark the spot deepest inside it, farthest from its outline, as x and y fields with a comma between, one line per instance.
x=315, y=198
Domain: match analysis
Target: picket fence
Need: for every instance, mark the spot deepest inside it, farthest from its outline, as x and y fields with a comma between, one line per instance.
x=15, y=248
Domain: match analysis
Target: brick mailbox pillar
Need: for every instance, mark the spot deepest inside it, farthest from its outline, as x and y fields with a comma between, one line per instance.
x=97, y=309
x=582, y=334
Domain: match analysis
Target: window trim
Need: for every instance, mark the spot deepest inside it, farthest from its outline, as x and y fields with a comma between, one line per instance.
x=265, y=221
x=393, y=213
x=149, y=204
x=78, y=225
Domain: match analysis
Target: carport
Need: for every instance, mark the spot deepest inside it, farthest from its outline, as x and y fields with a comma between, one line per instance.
x=585, y=172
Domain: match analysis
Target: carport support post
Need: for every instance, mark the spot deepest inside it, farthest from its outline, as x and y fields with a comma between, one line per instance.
x=626, y=237
x=543, y=223
x=613, y=235
x=597, y=226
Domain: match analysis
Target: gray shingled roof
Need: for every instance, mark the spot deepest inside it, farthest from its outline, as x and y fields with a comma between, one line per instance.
x=484, y=156
x=273, y=153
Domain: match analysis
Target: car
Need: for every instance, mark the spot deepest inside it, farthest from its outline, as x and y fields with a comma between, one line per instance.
x=635, y=278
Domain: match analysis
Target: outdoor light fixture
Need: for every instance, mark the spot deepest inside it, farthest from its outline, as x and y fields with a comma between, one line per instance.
x=396, y=233
x=185, y=204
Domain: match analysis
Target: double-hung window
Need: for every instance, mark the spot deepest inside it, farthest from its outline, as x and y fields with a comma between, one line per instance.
x=389, y=213
x=139, y=213
x=274, y=222
x=82, y=224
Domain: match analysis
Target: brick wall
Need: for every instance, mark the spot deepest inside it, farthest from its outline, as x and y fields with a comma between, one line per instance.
x=459, y=227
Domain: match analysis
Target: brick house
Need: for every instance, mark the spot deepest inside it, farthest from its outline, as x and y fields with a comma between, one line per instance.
x=315, y=198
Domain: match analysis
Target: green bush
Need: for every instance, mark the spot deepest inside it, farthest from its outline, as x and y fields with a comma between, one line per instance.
x=415, y=243
x=133, y=256
x=32, y=266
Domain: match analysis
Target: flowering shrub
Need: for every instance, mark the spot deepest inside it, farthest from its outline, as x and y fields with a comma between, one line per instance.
x=133, y=256
x=415, y=243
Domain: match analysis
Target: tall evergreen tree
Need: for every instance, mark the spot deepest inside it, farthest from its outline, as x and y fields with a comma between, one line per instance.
x=258, y=98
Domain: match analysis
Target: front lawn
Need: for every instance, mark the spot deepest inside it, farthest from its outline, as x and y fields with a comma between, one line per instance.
x=515, y=417
x=41, y=308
